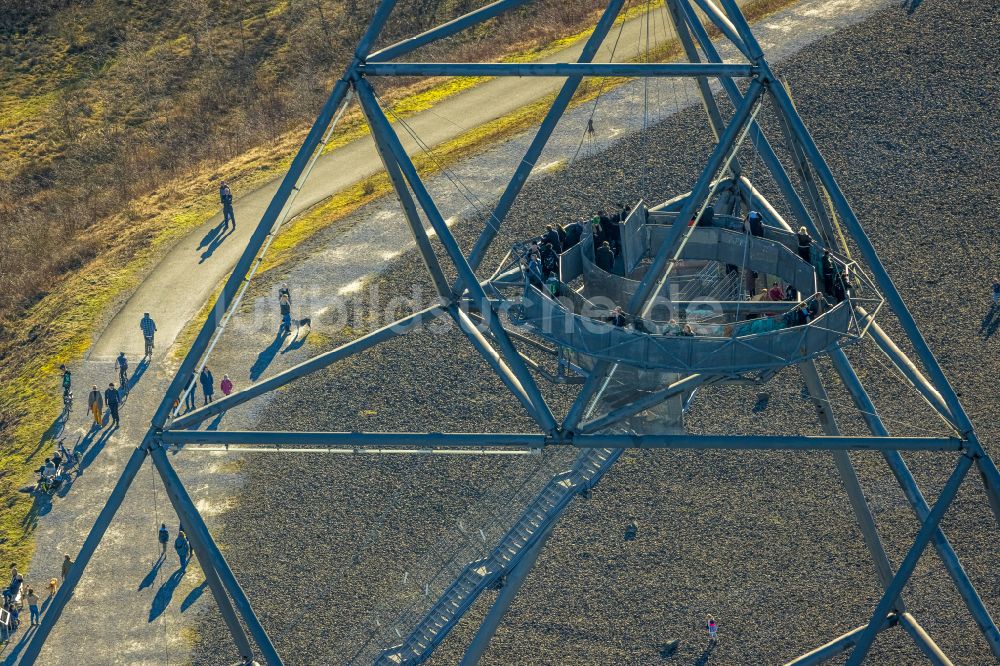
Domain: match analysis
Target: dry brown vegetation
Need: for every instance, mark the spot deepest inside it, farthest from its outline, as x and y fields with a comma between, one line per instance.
x=102, y=102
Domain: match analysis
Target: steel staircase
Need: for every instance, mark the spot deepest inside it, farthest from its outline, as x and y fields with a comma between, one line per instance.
x=543, y=511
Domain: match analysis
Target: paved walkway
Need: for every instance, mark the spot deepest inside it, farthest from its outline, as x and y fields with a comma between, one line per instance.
x=128, y=610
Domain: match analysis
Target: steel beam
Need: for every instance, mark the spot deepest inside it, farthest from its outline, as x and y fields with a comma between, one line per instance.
x=838, y=645
x=786, y=442
x=739, y=23
x=987, y=470
x=545, y=130
x=715, y=120
x=926, y=644
x=494, y=359
x=905, y=366
x=413, y=220
x=558, y=69
x=910, y=561
x=198, y=531
x=214, y=583
x=719, y=20
x=424, y=439
x=650, y=281
x=945, y=551
x=100, y=526
x=757, y=137
x=849, y=477
x=511, y=585
x=270, y=216
x=448, y=29
x=382, y=131
x=643, y=403
x=319, y=362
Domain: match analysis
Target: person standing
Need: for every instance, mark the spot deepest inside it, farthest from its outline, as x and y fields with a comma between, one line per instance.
x=754, y=224
x=163, y=536
x=713, y=629
x=207, y=384
x=113, y=402
x=95, y=403
x=226, y=196
x=226, y=385
x=805, y=245
x=183, y=548
x=67, y=380
x=189, y=399
x=67, y=564
x=285, y=291
x=33, y=600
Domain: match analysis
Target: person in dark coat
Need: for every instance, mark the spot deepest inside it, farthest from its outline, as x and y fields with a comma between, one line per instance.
x=755, y=224
x=207, y=384
x=805, y=245
x=189, y=400
x=605, y=258
x=551, y=237
x=550, y=261
x=561, y=232
x=600, y=233
x=574, y=232
x=618, y=318
x=226, y=195
x=112, y=400
x=826, y=269
x=534, y=269
x=612, y=232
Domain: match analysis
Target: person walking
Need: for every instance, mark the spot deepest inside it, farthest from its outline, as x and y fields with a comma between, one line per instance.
x=67, y=564
x=33, y=600
x=95, y=403
x=285, y=306
x=713, y=629
x=183, y=548
x=148, y=327
x=113, y=401
x=163, y=536
x=207, y=384
x=285, y=291
x=67, y=380
x=226, y=196
x=189, y=400
x=226, y=385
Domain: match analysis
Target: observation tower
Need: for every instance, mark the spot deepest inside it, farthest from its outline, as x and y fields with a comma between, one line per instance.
x=673, y=302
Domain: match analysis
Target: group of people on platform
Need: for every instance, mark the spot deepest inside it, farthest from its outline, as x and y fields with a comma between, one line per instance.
x=542, y=265
x=542, y=261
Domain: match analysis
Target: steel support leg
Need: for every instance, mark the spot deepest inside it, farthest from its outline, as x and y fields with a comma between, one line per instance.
x=917, y=502
x=910, y=561
x=65, y=591
x=511, y=585
x=849, y=477
x=198, y=532
x=215, y=584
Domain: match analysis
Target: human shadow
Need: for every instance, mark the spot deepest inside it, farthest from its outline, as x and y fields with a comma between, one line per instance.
x=705, y=655
x=22, y=643
x=214, y=425
x=41, y=504
x=212, y=234
x=296, y=343
x=214, y=245
x=990, y=323
x=763, y=399
x=193, y=596
x=91, y=448
x=163, y=595
x=153, y=572
x=51, y=433
x=140, y=370
x=266, y=356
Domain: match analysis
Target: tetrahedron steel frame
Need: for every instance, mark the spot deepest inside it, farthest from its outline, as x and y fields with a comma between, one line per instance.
x=467, y=302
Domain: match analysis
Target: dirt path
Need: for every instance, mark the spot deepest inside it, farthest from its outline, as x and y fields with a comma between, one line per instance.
x=128, y=610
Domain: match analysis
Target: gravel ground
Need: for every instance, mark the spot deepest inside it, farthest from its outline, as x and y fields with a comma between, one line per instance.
x=765, y=542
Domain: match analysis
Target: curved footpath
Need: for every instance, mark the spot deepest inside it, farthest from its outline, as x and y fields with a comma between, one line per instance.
x=129, y=609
